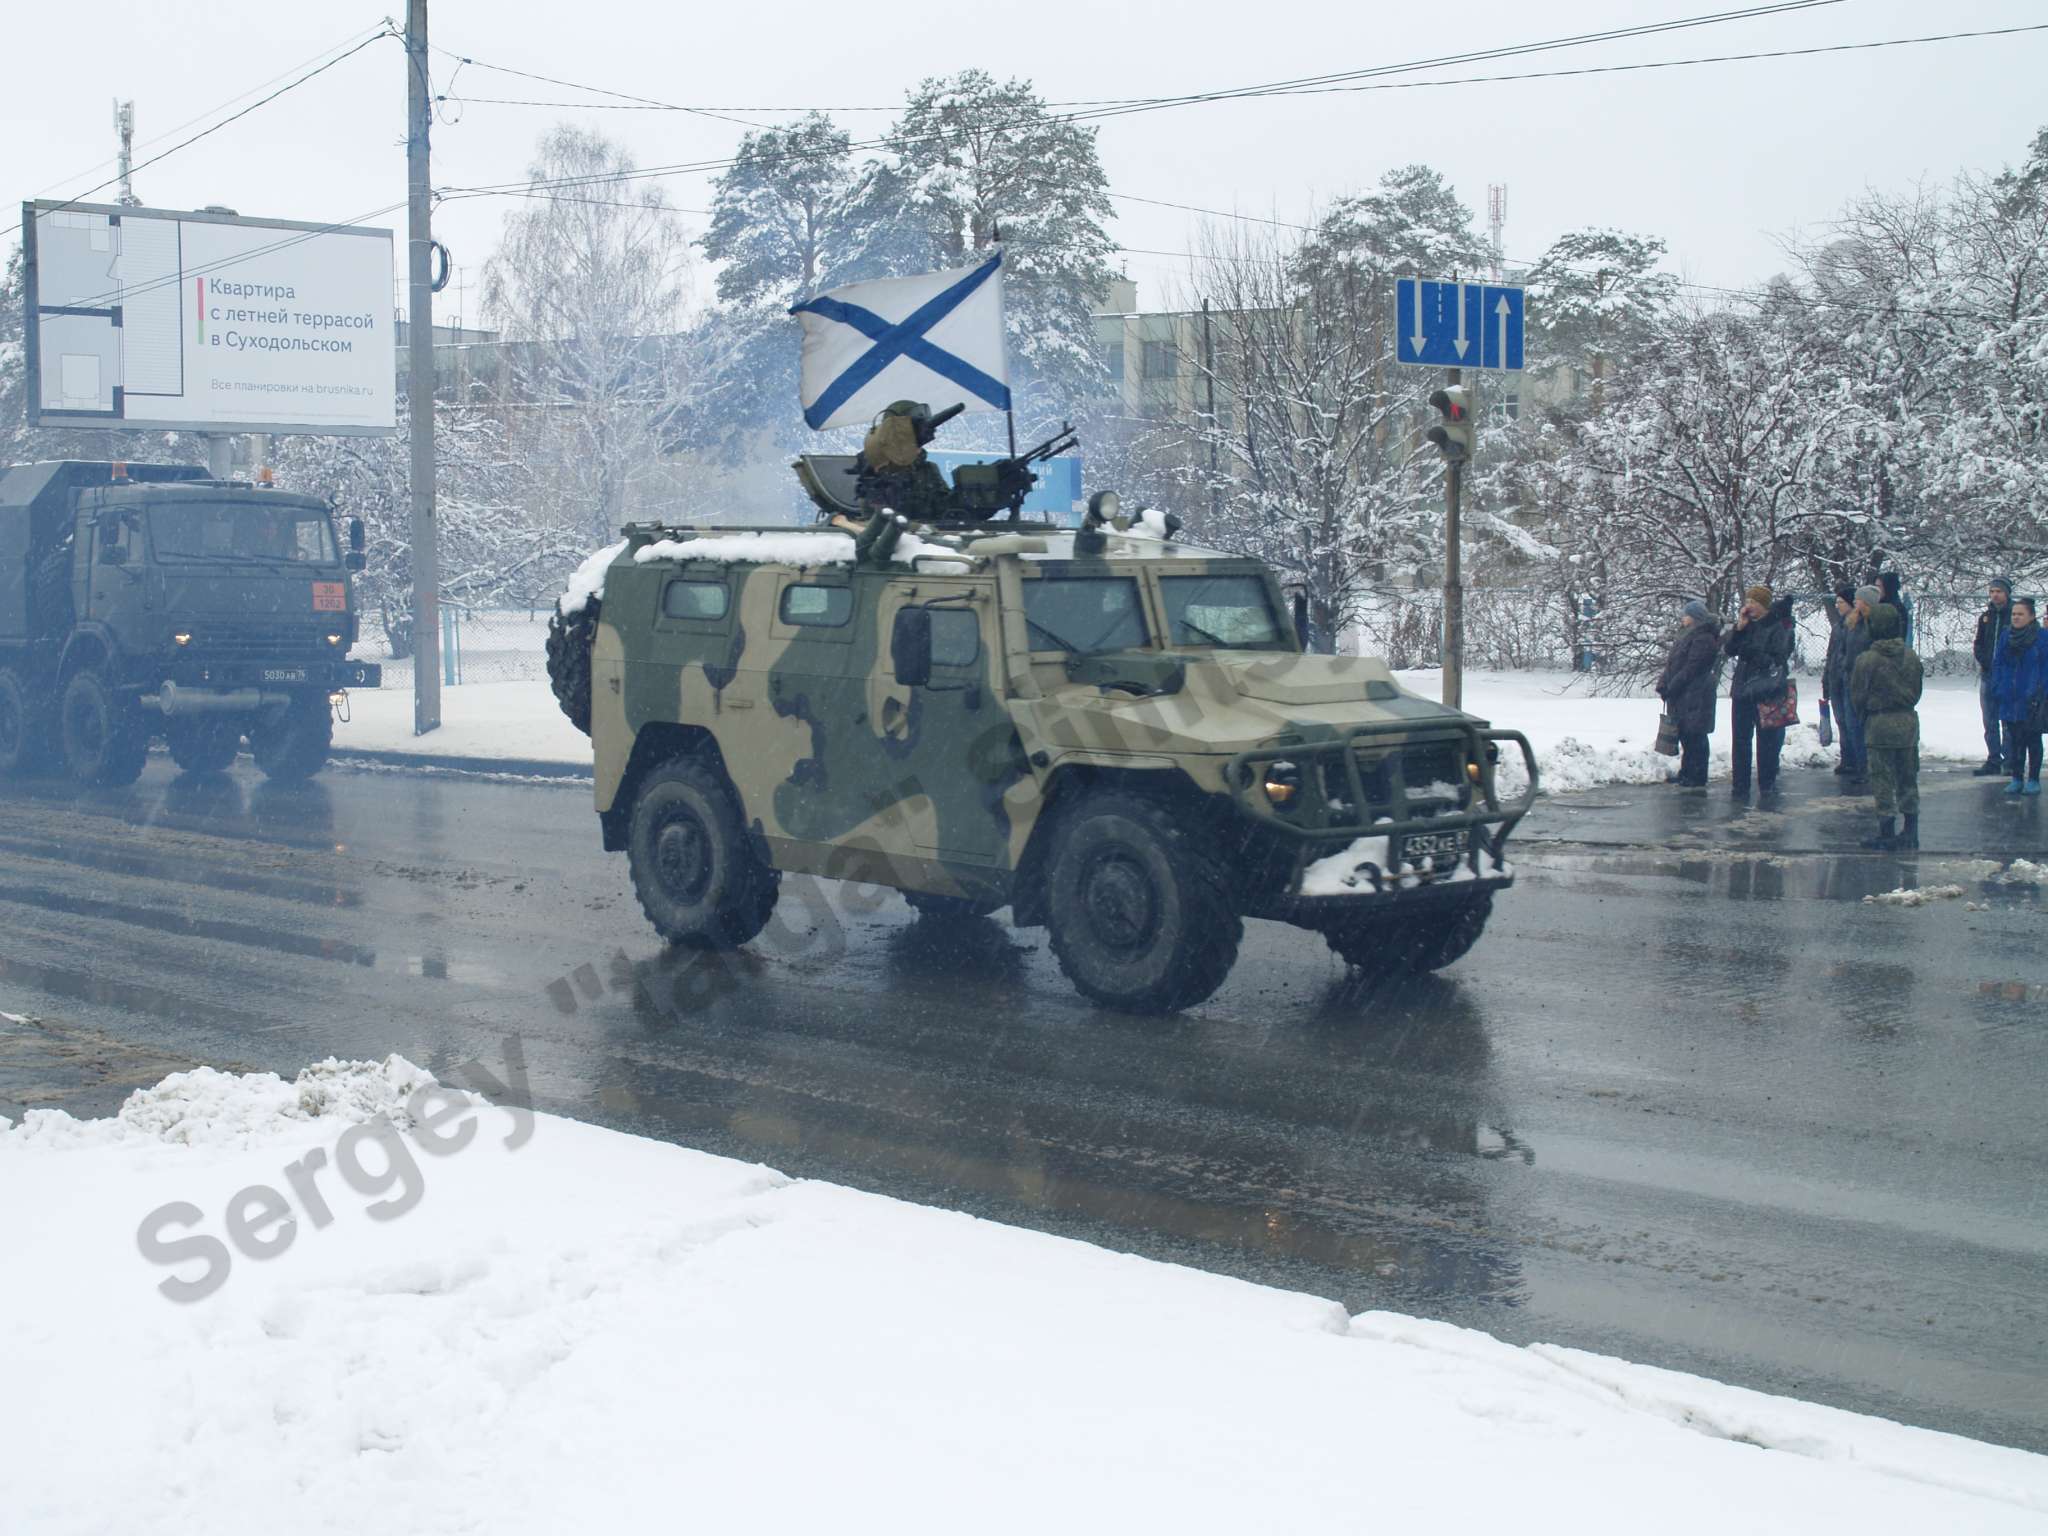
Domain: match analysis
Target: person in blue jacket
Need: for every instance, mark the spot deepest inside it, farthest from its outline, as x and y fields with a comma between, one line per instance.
x=2019, y=685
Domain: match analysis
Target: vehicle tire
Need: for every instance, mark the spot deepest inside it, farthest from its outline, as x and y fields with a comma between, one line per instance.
x=1411, y=945
x=568, y=646
x=1140, y=916
x=105, y=741
x=694, y=870
x=203, y=746
x=25, y=735
x=292, y=743
x=948, y=909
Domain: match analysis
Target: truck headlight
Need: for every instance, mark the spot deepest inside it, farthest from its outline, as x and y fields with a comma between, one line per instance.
x=334, y=639
x=182, y=637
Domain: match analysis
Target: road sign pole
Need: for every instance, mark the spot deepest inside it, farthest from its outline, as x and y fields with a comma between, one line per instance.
x=1454, y=577
x=419, y=386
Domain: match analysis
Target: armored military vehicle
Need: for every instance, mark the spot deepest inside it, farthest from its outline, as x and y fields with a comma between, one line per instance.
x=1114, y=733
x=147, y=600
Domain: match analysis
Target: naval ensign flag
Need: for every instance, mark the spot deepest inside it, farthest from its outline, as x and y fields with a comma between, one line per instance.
x=937, y=338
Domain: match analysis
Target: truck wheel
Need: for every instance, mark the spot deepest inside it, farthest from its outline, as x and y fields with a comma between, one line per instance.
x=203, y=746
x=1141, y=917
x=568, y=647
x=695, y=874
x=105, y=742
x=24, y=727
x=293, y=743
x=1411, y=945
x=947, y=909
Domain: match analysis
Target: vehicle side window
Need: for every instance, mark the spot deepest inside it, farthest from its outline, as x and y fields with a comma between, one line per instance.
x=825, y=607
x=694, y=600
x=956, y=637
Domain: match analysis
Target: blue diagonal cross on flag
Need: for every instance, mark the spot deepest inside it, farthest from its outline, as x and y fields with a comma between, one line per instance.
x=937, y=337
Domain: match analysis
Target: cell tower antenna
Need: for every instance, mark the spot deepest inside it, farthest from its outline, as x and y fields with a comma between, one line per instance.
x=1496, y=222
x=124, y=130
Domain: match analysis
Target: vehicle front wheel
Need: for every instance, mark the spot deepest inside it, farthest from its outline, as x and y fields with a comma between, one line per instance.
x=104, y=738
x=1413, y=944
x=694, y=871
x=203, y=746
x=293, y=742
x=24, y=726
x=1140, y=916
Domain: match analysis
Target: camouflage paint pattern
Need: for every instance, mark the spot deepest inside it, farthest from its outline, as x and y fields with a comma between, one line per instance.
x=843, y=771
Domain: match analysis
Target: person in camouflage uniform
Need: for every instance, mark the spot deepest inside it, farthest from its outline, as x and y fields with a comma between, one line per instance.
x=1884, y=691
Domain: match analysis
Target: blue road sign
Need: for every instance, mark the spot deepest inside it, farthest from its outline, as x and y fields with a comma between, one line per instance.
x=1458, y=325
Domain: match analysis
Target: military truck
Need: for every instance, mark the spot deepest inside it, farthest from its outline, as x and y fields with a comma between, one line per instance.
x=146, y=600
x=1112, y=732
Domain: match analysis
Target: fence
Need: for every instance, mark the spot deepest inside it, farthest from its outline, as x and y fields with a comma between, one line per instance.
x=1516, y=629
x=478, y=645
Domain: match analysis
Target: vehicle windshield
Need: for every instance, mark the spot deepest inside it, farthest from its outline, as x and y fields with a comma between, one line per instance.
x=1083, y=614
x=1232, y=611
x=216, y=530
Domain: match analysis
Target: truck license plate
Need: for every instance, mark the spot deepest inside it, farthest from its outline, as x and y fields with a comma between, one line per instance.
x=284, y=674
x=1444, y=847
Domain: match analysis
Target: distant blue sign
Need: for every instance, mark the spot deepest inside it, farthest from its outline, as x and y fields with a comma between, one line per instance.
x=1458, y=325
x=1057, y=496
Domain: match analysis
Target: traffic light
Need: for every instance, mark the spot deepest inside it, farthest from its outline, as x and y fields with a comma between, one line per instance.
x=1452, y=435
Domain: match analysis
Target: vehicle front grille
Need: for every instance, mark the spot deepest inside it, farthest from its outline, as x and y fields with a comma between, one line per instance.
x=1432, y=778
x=240, y=639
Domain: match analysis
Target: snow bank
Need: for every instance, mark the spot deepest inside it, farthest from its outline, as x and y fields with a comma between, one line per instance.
x=592, y=1331
x=1915, y=896
x=587, y=581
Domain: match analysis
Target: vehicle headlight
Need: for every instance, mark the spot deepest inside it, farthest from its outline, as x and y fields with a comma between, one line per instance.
x=334, y=639
x=1282, y=780
x=182, y=637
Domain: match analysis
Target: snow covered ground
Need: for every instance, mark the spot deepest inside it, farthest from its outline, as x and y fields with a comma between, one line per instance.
x=589, y=1331
x=1581, y=741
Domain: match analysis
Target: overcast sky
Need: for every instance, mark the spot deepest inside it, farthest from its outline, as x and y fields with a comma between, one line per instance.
x=1721, y=160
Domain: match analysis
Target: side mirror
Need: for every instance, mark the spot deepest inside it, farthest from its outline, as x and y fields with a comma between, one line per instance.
x=1301, y=618
x=355, y=538
x=910, y=647
x=354, y=558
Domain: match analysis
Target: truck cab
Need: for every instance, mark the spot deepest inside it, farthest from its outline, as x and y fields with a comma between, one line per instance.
x=148, y=601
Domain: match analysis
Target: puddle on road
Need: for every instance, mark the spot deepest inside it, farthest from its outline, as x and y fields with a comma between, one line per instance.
x=1770, y=875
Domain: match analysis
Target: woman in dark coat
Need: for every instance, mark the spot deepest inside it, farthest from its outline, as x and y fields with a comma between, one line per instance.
x=1761, y=643
x=1688, y=686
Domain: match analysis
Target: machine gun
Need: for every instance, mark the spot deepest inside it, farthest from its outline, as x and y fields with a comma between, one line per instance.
x=982, y=490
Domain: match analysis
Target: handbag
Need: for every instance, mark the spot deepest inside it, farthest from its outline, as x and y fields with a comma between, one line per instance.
x=1825, y=727
x=1667, y=735
x=1776, y=713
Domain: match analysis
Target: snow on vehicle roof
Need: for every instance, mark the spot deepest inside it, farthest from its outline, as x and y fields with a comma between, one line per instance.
x=829, y=546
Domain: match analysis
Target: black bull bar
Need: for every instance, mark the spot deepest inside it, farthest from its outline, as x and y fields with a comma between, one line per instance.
x=1244, y=776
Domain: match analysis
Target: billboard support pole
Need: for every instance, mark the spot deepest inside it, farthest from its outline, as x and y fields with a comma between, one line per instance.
x=220, y=455
x=419, y=385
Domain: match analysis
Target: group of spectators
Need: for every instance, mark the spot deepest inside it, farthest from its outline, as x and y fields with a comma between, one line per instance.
x=1870, y=686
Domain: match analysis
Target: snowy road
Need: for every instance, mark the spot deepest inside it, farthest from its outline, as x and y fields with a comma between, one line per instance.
x=1698, y=1105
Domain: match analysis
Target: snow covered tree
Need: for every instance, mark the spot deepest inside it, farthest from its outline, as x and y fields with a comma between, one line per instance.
x=590, y=286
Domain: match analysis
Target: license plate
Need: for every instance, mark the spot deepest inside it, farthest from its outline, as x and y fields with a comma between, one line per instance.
x=284, y=674
x=330, y=597
x=1444, y=847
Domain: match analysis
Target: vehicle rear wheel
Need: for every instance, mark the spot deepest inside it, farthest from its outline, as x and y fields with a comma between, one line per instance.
x=694, y=871
x=1413, y=944
x=1140, y=916
x=105, y=741
x=948, y=909
x=25, y=735
x=292, y=743
x=203, y=746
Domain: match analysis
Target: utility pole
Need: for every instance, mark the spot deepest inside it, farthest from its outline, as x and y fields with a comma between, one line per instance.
x=1209, y=373
x=124, y=131
x=426, y=560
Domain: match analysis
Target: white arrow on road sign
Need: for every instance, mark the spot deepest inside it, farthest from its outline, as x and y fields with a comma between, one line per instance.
x=1420, y=340
x=1461, y=343
x=1504, y=309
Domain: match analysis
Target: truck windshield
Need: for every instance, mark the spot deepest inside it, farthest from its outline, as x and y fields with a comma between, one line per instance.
x=1083, y=614
x=213, y=530
x=1231, y=611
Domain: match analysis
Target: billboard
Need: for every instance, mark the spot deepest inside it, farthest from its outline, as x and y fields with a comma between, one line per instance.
x=207, y=322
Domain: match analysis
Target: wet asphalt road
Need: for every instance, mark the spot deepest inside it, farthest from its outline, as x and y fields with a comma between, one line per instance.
x=1691, y=1101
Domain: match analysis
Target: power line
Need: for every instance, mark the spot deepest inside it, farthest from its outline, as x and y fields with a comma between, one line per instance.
x=1162, y=103
x=73, y=201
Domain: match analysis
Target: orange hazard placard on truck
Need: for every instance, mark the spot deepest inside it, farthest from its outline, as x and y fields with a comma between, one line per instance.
x=330, y=597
